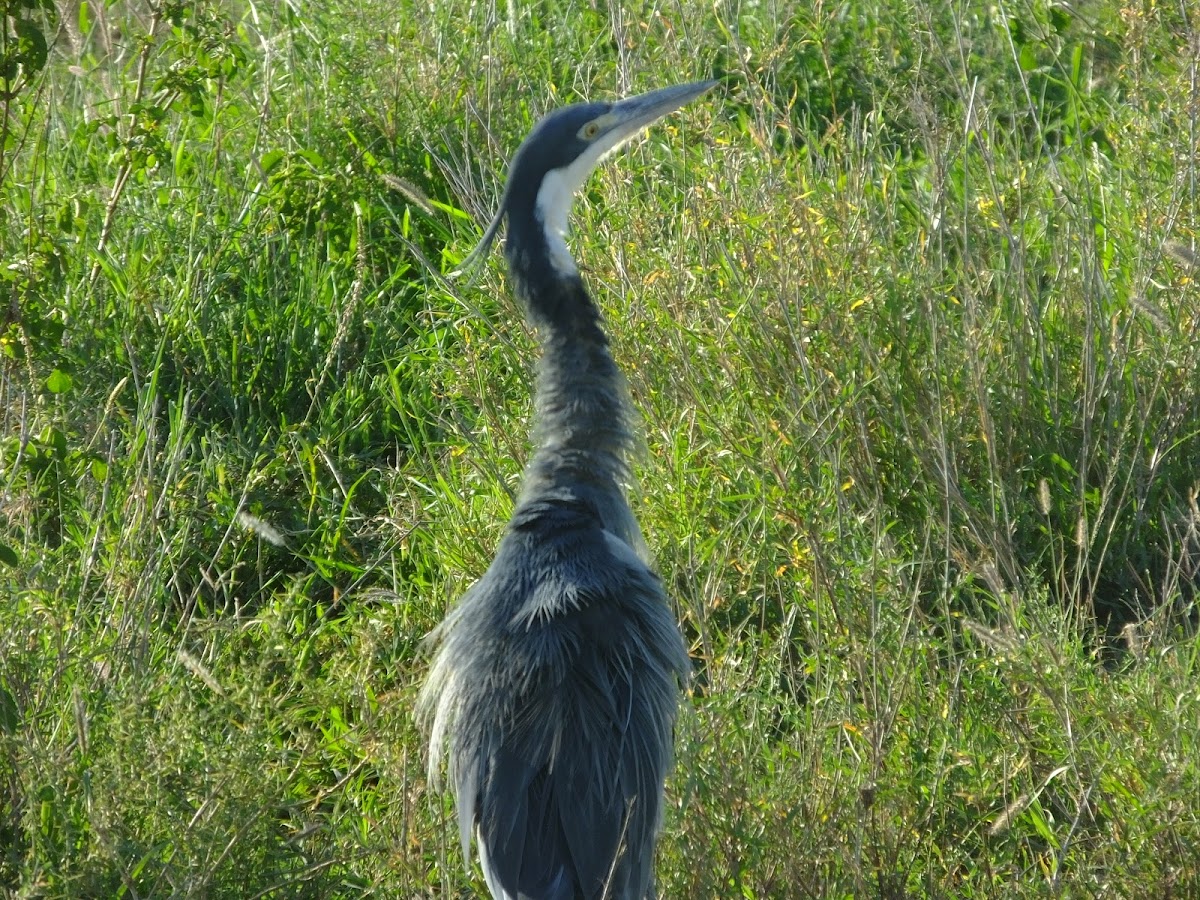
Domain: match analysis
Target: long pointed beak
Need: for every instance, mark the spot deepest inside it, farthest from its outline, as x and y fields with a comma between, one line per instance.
x=631, y=115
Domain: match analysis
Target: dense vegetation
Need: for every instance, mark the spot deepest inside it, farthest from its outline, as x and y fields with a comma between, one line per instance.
x=910, y=307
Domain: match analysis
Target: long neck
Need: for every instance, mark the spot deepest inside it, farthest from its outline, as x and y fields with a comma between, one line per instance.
x=584, y=430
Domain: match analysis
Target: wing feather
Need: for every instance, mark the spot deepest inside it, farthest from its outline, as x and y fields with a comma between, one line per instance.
x=567, y=803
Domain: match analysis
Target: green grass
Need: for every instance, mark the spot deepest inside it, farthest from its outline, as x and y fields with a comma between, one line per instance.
x=910, y=307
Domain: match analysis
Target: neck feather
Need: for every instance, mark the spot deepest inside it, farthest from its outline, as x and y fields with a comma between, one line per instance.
x=584, y=420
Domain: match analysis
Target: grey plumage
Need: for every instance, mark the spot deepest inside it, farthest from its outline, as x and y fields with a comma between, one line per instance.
x=554, y=689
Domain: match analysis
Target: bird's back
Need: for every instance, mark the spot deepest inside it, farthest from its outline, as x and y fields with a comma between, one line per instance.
x=562, y=726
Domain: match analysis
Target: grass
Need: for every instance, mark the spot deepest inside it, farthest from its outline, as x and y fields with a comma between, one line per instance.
x=910, y=309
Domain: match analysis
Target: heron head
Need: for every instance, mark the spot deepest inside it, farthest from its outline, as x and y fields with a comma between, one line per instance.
x=563, y=149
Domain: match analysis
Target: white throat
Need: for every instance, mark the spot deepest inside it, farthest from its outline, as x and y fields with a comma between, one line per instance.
x=553, y=205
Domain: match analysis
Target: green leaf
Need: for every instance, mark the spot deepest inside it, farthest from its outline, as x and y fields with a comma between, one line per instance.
x=1028, y=59
x=270, y=160
x=33, y=50
x=314, y=159
x=56, y=441
x=1037, y=817
x=59, y=382
x=8, y=555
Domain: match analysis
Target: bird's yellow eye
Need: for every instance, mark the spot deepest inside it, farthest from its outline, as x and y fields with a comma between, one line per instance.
x=590, y=130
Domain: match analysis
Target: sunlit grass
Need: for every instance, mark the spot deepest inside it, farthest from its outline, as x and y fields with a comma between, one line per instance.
x=908, y=311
